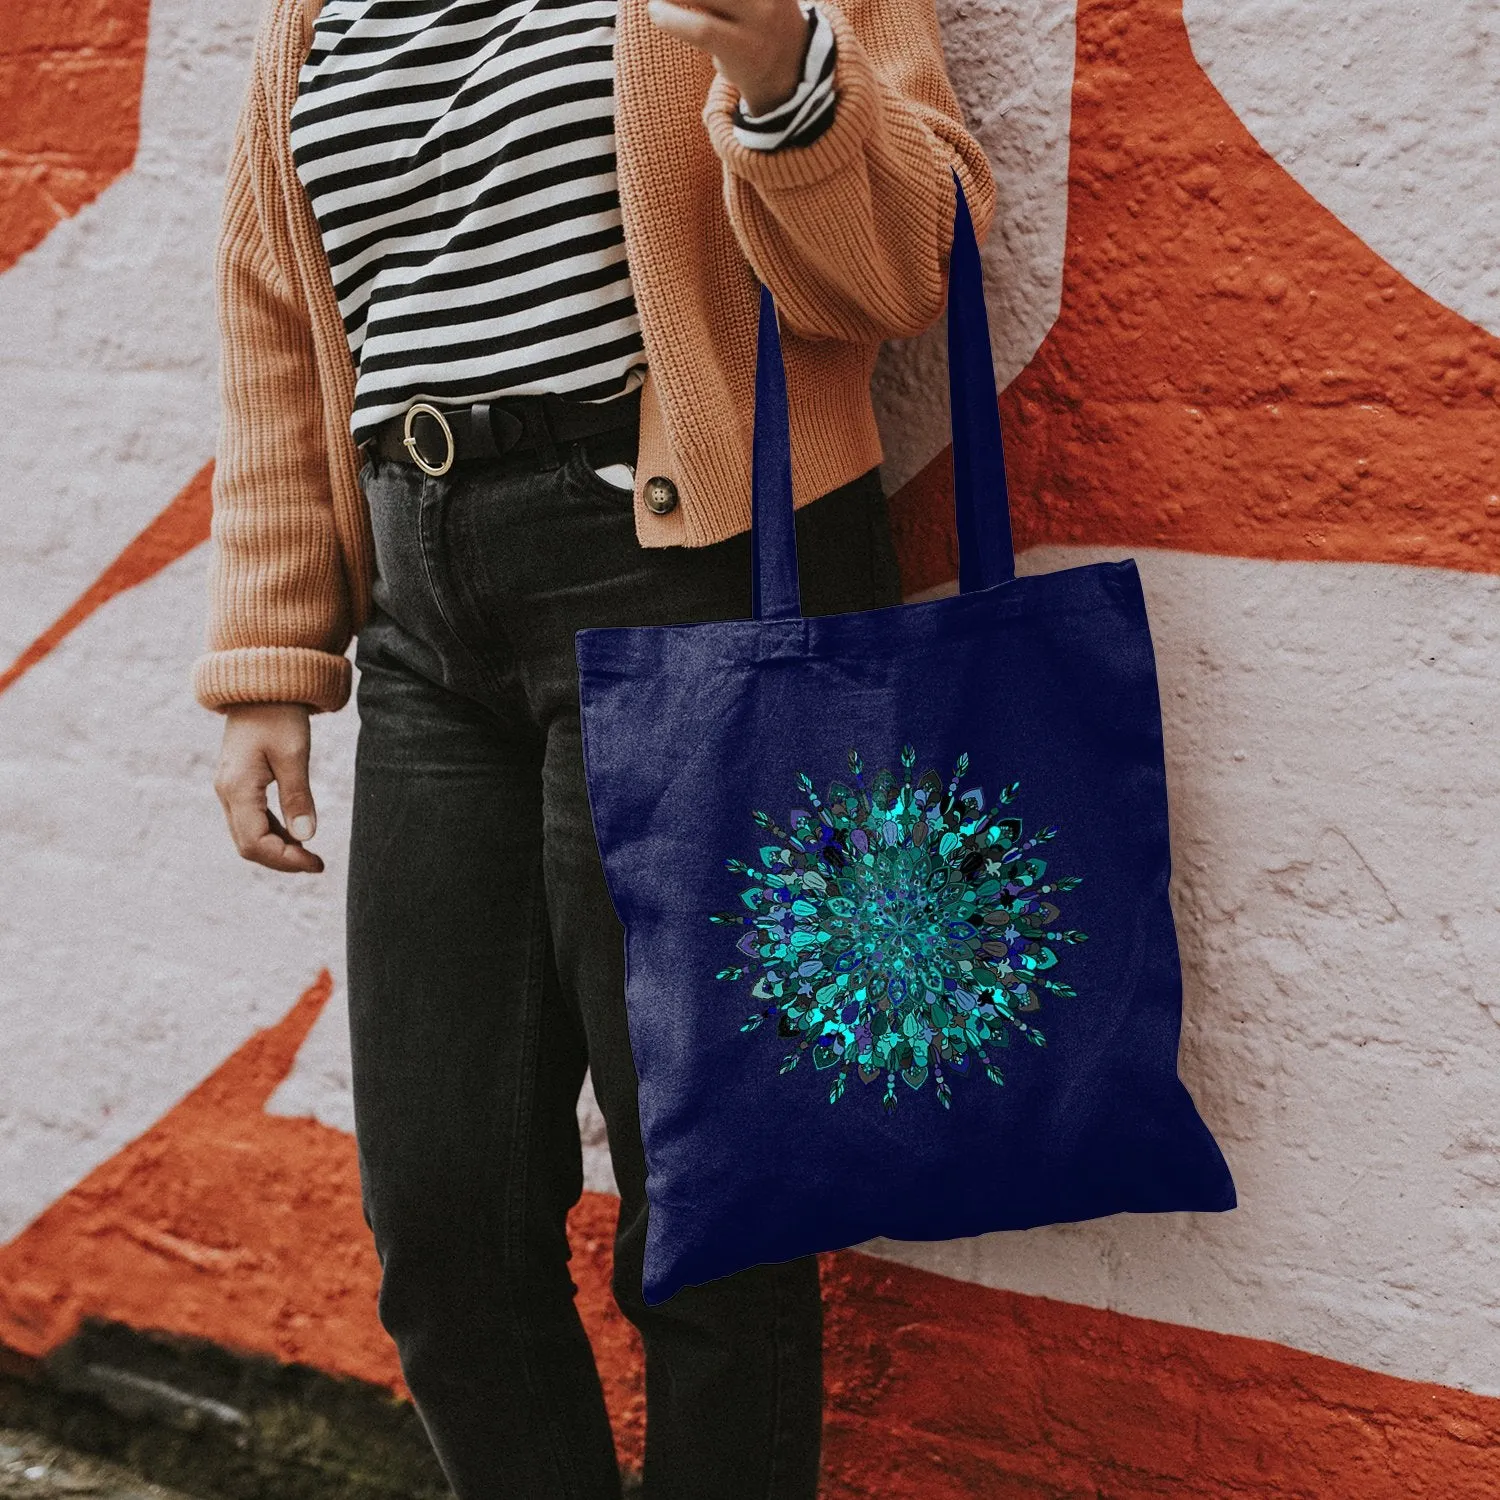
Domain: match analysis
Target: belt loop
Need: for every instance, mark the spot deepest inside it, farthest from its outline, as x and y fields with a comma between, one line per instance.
x=482, y=430
x=546, y=441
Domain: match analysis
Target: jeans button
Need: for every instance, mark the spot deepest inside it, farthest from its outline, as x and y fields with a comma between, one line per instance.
x=661, y=496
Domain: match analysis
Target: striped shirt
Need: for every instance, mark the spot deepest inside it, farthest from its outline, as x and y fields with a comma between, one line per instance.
x=459, y=159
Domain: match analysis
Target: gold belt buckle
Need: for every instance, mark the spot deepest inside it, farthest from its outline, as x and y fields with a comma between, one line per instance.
x=409, y=442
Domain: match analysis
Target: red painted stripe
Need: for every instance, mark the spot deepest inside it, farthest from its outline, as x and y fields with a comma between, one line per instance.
x=70, y=110
x=1232, y=371
x=942, y=1389
x=220, y=1222
x=233, y=1225
x=183, y=525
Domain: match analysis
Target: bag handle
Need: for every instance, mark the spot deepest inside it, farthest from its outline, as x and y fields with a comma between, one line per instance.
x=980, y=496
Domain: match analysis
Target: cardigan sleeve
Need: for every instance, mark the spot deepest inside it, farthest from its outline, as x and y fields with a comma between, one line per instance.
x=279, y=618
x=852, y=232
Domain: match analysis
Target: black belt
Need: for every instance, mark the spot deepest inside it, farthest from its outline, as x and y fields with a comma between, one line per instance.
x=434, y=438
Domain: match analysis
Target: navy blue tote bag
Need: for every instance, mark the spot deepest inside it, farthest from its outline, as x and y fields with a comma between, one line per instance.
x=894, y=884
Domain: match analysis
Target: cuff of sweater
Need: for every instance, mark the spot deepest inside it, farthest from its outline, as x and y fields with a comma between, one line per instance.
x=273, y=674
x=838, y=149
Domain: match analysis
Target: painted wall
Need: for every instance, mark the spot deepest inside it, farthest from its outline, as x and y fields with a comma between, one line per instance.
x=1246, y=295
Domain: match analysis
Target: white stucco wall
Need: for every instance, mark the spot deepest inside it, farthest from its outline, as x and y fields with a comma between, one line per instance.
x=1330, y=727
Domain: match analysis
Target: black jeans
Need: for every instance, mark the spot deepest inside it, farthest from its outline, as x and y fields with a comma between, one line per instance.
x=486, y=972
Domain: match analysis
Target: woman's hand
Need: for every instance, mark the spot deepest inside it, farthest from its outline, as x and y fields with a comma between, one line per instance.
x=266, y=742
x=758, y=45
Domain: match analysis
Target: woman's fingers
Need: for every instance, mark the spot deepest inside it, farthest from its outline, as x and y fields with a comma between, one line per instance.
x=265, y=743
x=293, y=792
x=703, y=28
x=758, y=45
x=256, y=833
x=292, y=856
x=299, y=819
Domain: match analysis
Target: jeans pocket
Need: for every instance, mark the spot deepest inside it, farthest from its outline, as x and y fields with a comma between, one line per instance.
x=581, y=472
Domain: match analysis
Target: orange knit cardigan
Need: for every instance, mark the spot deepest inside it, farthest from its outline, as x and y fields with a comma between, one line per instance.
x=851, y=234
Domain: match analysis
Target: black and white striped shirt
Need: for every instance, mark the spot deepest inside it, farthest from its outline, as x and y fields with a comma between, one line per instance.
x=459, y=158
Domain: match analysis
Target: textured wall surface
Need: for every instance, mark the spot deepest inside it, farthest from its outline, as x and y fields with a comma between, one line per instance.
x=1384, y=110
x=1011, y=62
x=70, y=87
x=1243, y=293
x=1337, y=856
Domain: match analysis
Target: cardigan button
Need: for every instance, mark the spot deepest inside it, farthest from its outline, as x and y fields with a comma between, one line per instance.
x=661, y=496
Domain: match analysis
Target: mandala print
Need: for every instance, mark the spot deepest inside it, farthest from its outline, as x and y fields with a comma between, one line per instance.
x=900, y=929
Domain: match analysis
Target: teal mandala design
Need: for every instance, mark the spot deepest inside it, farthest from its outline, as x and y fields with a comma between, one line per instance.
x=900, y=929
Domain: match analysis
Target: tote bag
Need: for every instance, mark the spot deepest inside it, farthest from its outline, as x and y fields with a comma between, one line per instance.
x=900, y=960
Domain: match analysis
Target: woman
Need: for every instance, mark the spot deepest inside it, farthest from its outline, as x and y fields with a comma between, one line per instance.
x=488, y=284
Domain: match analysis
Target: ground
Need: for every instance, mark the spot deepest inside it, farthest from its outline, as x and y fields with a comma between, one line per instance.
x=38, y=1469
